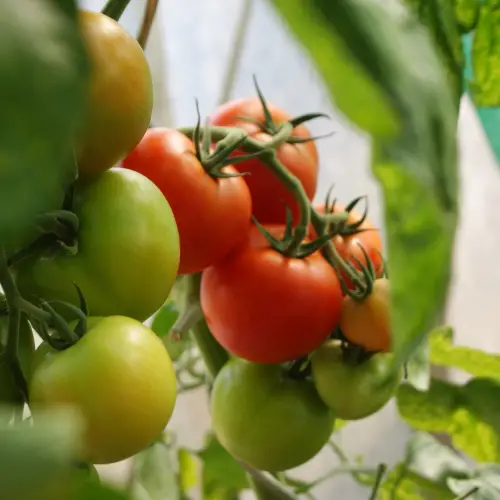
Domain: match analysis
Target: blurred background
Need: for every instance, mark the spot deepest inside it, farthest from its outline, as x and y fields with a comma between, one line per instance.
x=189, y=50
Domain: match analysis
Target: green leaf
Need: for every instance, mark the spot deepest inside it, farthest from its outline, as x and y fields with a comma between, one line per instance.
x=473, y=361
x=434, y=461
x=439, y=16
x=429, y=411
x=485, y=87
x=154, y=474
x=187, y=470
x=383, y=72
x=418, y=368
x=486, y=477
x=34, y=455
x=223, y=477
x=43, y=86
x=163, y=322
x=466, y=14
x=97, y=492
x=398, y=485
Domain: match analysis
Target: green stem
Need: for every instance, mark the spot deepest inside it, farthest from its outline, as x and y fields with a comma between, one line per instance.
x=115, y=8
x=214, y=356
x=147, y=22
x=13, y=297
x=468, y=494
x=382, y=468
x=265, y=486
x=235, y=57
x=269, y=156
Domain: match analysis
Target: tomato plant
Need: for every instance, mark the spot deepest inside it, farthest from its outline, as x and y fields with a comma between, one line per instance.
x=120, y=95
x=266, y=307
x=127, y=251
x=120, y=378
x=269, y=197
x=353, y=389
x=280, y=423
x=212, y=214
x=367, y=323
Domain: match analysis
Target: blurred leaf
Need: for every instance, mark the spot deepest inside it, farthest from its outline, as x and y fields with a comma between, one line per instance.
x=187, y=470
x=439, y=16
x=473, y=361
x=485, y=86
x=429, y=411
x=418, y=368
x=339, y=424
x=154, y=474
x=162, y=324
x=486, y=477
x=223, y=477
x=367, y=53
x=97, y=492
x=434, y=461
x=43, y=87
x=35, y=455
x=399, y=486
x=466, y=14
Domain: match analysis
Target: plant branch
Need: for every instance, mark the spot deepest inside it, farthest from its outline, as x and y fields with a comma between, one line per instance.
x=382, y=468
x=147, y=22
x=235, y=56
x=265, y=486
x=13, y=298
x=115, y=8
x=468, y=493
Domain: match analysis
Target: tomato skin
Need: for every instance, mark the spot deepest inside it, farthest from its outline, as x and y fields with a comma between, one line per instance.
x=348, y=246
x=120, y=100
x=367, y=323
x=268, y=308
x=128, y=250
x=269, y=196
x=26, y=348
x=212, y=215
x=121, y=380
x=267, y=420
x=353, y=391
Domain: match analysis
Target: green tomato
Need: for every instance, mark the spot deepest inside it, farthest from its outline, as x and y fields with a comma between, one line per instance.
x=128, y=250
x=120, y=378
x=266, y=419
x=9, y=394
x=353, y=391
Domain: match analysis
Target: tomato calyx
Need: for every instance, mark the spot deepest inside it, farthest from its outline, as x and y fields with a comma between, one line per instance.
x=271, y=128
x=214, y=161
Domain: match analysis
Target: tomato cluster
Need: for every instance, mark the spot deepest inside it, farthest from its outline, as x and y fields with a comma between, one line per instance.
x=296, y=293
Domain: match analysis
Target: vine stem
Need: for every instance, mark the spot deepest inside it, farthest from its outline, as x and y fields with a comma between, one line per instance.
x=147, y=22
x=265, y=486
x=382, y=468
x=13, y=298
x=115, y=8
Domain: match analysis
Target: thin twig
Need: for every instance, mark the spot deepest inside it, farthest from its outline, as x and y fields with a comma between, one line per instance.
x=468, y=493
x=235, y=56
x=266, y=482
x=382, y=468
x=147, y=22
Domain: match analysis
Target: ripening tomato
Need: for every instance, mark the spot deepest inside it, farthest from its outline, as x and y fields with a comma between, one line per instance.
x=367, y=323
x=266, y=419
x=128, y=250
x=353, y=390
x=348, y=245
x=269, y=196
x=213, y=215
x=9, y=394
x=120, y=100
x=268, y=308
x=119, y=377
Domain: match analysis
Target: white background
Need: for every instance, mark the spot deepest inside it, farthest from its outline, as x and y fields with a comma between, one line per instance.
x=188, y=52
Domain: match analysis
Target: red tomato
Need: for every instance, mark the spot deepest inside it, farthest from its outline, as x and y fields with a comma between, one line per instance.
x=268, y=308
x=213, y=215
x=269, y=196
x=348, y=246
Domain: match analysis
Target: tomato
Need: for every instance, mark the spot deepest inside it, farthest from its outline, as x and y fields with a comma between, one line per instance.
x=119, y=377
x=268, y=308
x=128, y=250
x=367, y=323
x=267, y=420
x=348, y=246
x=269, y=196
x=353, y=391
x=213, y=215
x=120, y=100
x=9, y=394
